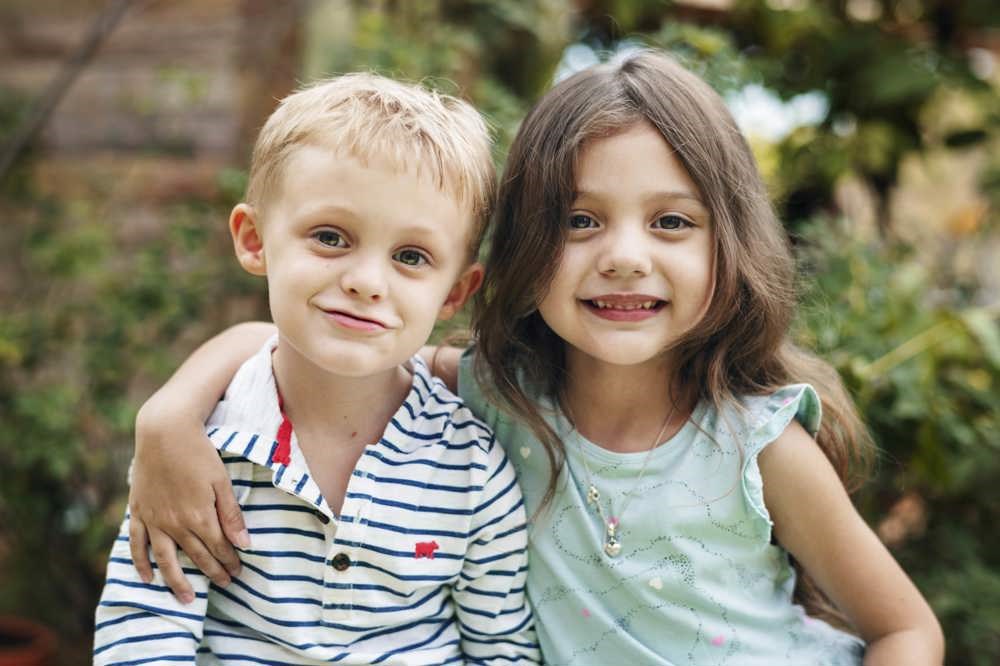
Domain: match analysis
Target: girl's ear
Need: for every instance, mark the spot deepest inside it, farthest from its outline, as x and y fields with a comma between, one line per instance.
x=465, y=286
x=245, y=230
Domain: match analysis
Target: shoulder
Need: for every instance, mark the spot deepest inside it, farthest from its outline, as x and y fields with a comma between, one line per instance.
x=446, y=413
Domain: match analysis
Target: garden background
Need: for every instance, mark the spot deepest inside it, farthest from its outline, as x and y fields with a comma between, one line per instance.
x=124, y=133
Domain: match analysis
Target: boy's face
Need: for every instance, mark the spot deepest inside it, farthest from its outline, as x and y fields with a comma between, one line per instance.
x=360, y=260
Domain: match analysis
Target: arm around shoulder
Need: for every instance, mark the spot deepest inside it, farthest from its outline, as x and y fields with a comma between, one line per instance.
x=181, y=494
x=816, y=522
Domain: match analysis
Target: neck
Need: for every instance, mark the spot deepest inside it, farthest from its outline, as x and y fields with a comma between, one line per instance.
x=343, y=408
x=622, y=408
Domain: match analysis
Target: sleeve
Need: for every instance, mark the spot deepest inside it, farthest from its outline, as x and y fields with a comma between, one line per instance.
x=768, y=417
x=494, y=615
x=139, y=623
x=472, y=393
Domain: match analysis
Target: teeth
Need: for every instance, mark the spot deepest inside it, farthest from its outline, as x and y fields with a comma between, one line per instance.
x=646, y=305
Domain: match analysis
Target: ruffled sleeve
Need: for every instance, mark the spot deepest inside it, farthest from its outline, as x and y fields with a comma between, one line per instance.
x=767, y=417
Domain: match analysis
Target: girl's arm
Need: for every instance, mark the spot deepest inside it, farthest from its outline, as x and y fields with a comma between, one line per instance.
x=180, y=492
x=816, y=522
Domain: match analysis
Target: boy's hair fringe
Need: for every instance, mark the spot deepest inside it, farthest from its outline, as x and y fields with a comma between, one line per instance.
x=740, y=347
x=376, y=119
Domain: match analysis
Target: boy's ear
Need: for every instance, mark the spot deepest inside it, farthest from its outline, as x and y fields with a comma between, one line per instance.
x=465, y=286
x=245, y=230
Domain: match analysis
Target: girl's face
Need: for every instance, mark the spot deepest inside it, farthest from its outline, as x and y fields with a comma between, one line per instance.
x=637, y=270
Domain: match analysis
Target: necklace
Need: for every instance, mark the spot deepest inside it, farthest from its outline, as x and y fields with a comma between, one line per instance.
x=611, y=522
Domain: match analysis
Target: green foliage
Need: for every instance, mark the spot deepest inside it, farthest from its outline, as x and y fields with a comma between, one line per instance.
x=924, y=365
x=89, y=326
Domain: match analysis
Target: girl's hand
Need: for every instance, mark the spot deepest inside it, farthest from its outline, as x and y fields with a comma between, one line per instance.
x=199, y=518
x=443, y=364
x=181, y=494
x=816, y=522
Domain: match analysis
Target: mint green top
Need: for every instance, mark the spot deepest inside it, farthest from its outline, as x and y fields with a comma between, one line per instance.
x=698, y=579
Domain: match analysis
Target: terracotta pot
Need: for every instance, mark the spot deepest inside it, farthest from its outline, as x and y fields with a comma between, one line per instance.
x=25, y=643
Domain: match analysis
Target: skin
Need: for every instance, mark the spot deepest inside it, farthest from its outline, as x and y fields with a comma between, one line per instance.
x=627, y=239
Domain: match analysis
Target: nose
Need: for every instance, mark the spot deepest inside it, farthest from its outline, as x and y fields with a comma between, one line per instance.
x=625, y=253
x=365, y=279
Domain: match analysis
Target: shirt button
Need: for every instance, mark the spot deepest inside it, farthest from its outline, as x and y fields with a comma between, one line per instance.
x=341, y=561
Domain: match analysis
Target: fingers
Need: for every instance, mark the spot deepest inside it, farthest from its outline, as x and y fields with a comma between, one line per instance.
x=195, y=548
x=165, y=553
x=138, y=542
x=230, y=515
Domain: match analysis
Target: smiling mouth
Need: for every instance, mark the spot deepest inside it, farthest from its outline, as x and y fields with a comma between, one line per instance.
x=601, y=304
x=354, y=322
x=624, y=308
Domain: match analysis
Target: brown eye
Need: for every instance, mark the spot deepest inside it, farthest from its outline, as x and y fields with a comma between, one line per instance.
x=672, y=223
x=581, y=222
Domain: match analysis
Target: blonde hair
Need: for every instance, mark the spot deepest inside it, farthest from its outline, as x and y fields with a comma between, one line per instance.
x=371, y=117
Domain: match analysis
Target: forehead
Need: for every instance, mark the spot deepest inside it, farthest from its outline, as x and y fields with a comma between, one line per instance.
x=636, y=161
x=316, y=180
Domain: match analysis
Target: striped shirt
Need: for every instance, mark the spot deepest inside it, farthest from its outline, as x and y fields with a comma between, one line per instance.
x=425, y=565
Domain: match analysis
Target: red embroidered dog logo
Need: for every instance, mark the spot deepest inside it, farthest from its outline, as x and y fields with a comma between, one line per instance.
x=426, y=549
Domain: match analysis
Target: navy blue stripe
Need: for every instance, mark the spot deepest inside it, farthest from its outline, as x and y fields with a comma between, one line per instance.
x=413, y=646
x=412, y=507
x=249, y=446
x=273, y=600
x=409, y=530
x=147, y=586
x=229, y=440
x=405, y=554
x=398, y=576
x=465, y=629
x=421, y=484
x=387, y=609
x=301, y=484
x=504, y=491
x=499, y=519
x=278, y=507
x=287, y=530
x=146, y=637
x=422, y=461
x=146, y=660
x=152, y=609
x=287, y=553
x=494, y=558
x=124, y=618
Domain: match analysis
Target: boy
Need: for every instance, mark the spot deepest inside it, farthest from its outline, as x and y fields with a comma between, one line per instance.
x=387, y=525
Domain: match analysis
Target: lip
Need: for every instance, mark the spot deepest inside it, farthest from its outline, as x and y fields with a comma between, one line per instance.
x=354, y=322
x=624, y=307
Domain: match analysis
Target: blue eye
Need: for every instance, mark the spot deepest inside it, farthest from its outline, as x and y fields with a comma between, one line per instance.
x=410, y=257
x=580, y=221
x=330, y=238
x=672, y=222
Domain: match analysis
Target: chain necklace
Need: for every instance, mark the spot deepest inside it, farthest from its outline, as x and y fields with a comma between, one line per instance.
x=611, y=522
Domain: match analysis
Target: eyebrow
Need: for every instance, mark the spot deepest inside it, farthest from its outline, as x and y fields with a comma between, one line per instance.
x=337, y=210
x=664, y=194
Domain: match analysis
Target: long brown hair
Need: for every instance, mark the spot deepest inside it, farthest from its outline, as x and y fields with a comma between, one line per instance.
x=740, y=347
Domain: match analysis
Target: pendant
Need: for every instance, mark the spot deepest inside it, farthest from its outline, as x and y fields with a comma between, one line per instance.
x=612, y=546
x=593, y=494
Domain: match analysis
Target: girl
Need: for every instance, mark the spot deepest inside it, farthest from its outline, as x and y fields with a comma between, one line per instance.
x=632, y=354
